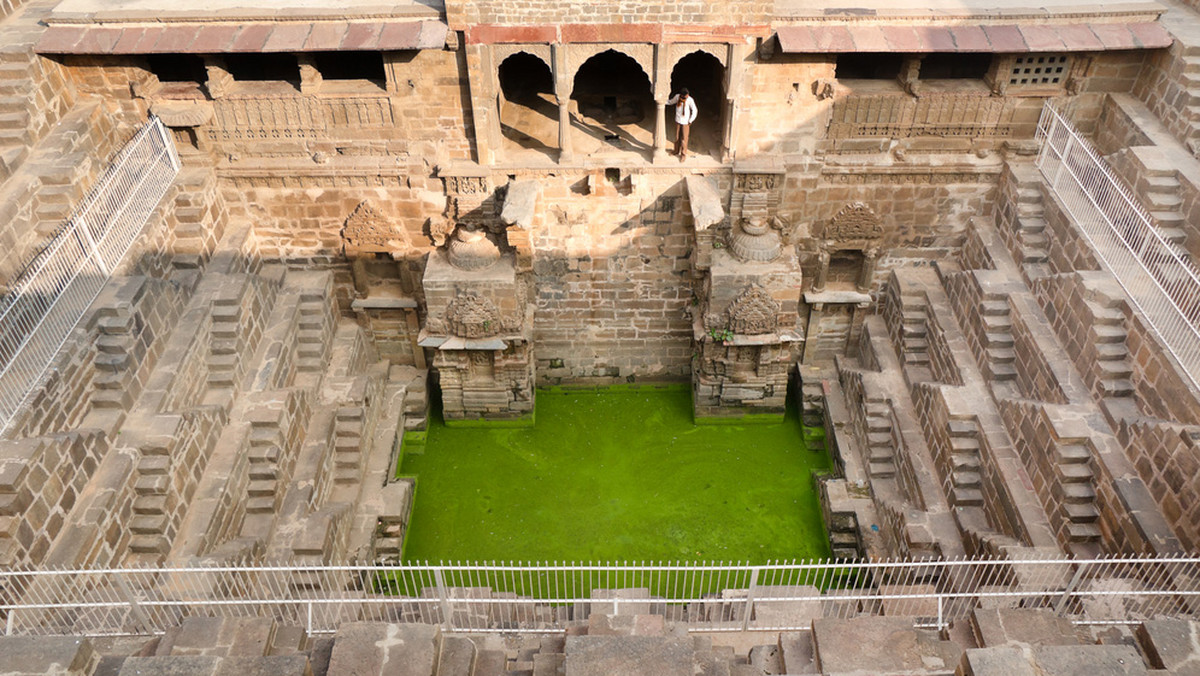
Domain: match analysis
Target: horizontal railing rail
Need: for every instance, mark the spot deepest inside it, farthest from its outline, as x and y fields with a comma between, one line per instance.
x=55, y=288
x=1159, y=277
x=547, y=598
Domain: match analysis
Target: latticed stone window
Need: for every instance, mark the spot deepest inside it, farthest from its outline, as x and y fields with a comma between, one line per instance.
x=1039, y=70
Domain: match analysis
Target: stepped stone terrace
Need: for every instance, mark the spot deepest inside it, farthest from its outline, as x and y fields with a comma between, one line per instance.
x=243, y=248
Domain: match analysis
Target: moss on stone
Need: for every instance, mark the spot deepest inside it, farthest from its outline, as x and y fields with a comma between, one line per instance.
x=616, y=474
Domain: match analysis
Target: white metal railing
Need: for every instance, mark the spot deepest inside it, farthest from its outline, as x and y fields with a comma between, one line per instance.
x=546, y=598
x=53, y=291
x=1159, y=277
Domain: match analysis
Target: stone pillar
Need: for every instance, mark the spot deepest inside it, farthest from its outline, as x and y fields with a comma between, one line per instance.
x=822, y=272
x=483, y=103
x=867, y=274
x=660, y=130
x=562, y=93
x=219, y=79
x=565, y=152
x=310, y=77
x=735, y=75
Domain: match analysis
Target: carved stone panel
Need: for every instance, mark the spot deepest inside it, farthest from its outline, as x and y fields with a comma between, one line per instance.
x=753, y=312
x=855, y=221
x=473, y=316
x=366, y=230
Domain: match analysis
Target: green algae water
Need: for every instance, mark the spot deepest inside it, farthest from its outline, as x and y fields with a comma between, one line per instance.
x=617, y=474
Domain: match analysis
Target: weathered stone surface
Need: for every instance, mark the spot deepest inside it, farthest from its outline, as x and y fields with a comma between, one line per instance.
x=705, y=201
x=171, y=665
x=364, y=648
x=1173, y=645
x=30, y=655
x=281, y=665
x=1004, y=626
x=520, y=203
x=999, y=661
x=628, y=656
x=879, y=645
x=1094, y=660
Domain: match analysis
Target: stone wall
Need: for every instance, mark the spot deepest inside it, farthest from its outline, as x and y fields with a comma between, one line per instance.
x=613, y=283
x=460, y=13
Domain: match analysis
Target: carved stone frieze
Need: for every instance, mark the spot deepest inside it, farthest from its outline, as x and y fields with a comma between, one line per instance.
x=367, y=230
x=753, y=312
x=757, y=182
x=473, y=316
x=467, y=185
x=855, y=221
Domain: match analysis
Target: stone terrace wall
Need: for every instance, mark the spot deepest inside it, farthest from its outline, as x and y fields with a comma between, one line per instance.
x=613, y=281
x=515, y=12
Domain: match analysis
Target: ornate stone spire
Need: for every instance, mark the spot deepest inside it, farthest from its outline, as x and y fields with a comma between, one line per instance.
x=755, y=240
x=470, y=249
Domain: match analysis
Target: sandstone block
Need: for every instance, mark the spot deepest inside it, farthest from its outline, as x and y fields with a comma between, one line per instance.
x=398, y=650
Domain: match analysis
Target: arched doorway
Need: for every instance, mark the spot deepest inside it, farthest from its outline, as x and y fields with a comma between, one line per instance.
x=528, y=113
x=614, y=105
x=704, y=77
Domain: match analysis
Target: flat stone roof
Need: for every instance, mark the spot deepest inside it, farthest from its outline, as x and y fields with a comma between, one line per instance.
x=996, y=38
x=132, y=11
x=942, y=9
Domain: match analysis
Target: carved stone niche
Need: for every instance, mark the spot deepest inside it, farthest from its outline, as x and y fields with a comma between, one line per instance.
x=473, y=316
x=753, y=313
x=367, y=231
x=848, y=256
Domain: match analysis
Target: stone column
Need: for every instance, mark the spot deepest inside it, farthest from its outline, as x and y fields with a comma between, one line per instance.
x=310, y=77
x=822, y=272
x=660, y=130
x=565, y=152
x=867, y=274
x=562, y=94
x=219, y=79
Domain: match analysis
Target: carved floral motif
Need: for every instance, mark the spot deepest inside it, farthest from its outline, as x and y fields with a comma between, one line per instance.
x=855, y=221
x=368, y=230
x=753, y=312
x=473, y=316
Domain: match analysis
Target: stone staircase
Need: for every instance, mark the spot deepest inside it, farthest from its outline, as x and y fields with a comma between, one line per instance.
x=966, y=488
x=1075, y=479
x=1112, y=357
x=1189, y=80
x=1074, y=472
x=151, y=511
x=1032, y=240
x=881, y=451
x=348, y=442
x=1160, y=192
x=999, y=353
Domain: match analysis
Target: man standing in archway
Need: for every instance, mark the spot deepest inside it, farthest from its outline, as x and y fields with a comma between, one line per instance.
x=685, y=115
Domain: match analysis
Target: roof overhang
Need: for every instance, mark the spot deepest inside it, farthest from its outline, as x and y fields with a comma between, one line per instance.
x=995, y=38
x=242, y=37
x=1007, y=39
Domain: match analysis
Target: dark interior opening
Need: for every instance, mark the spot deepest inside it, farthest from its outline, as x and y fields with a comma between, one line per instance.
x=868, y=66
x=528, y=110
x=263, y=67
x=955, y=66
x=350, y=66
x=845, y=267
x=704, y=78
x=611, y=87
x=177, y=67
x=524, y=76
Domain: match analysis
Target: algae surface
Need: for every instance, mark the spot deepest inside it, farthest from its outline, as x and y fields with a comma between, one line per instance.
x=616, y=475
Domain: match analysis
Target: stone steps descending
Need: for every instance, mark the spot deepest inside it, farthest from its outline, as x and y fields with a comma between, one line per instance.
x=1114, y=370
x=881, y=451
x=966, y=483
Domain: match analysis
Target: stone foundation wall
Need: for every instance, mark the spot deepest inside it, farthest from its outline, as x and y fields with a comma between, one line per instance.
x=1167, y=457
x=1165, y=88
x=613, y=284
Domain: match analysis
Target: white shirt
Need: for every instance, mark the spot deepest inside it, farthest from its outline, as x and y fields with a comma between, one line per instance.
x=685, y=111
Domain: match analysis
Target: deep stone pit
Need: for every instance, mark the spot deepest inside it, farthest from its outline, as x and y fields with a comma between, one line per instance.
x=616, y=474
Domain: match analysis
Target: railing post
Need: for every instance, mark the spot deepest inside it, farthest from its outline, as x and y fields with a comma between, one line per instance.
x=940, y=624
x=8, y=623
x=93, y=251
x=750, y=598
x=443, y=598
x=136, y=609
x=308, y=622
x=1062, y=600
x=166, y=141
